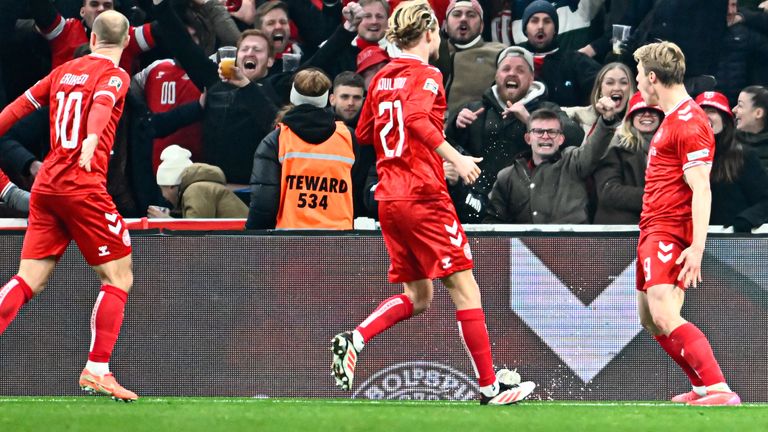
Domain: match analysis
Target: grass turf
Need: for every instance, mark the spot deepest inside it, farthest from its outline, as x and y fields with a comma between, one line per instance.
x=235, y=414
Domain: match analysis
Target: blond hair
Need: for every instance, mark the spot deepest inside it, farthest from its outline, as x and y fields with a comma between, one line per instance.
x=409, y=21
x=665, y=59
x=311, y=82
x=597, y=88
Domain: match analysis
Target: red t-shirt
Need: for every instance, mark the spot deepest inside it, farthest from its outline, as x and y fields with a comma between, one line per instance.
x=403, y=118
x=65, y=35
x=684, y=140
x=167, y=86
x=70, y=90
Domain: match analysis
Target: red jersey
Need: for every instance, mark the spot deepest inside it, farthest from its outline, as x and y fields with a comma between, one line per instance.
x=403, y=118
x=684, y=140
x=66, y=35
x=70, y=90
x=167, y=86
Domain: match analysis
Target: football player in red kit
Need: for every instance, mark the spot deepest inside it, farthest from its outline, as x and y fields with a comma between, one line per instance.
x=674, y=221
x=69, y=197
x=403, y=117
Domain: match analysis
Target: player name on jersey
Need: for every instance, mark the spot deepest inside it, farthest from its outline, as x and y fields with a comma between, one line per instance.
x=317, y=183
x=391, y=84
x=70, y=79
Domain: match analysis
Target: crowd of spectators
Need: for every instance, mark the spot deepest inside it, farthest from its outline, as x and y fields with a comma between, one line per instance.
x=536, y=88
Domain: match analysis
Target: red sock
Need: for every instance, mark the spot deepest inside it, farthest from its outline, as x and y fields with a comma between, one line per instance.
x=12, y=297
x=389, y=312
x=474, y=334
x=698, y=353
x=674, y=351
x=106, y=319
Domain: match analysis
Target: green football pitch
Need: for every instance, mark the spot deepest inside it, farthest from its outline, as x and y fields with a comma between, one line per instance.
x=245, y=414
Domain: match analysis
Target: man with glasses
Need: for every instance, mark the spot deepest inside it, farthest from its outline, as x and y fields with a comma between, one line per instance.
x=494, y=128
x=548, y=184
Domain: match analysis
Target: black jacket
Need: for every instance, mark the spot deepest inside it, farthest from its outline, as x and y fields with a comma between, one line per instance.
x=568, y=75
x=746, y=198
x=697, y=26
x=743, y=50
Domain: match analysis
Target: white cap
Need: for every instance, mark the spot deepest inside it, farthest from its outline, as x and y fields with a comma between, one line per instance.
x=175, y=159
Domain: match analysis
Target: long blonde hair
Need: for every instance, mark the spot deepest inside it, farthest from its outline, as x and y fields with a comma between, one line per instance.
x=596, y=89
x=409, y=21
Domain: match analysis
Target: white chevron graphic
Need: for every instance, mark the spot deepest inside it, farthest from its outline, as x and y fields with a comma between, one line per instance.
x=453, y=228
x=456, y=241
x=112, y=217
x=115, y=229
x=664, y=257
x=666, y=247
x=586, y=338
x=685, y=117
x=685, y=110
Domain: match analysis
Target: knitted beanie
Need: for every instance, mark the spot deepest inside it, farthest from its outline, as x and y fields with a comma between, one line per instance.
x=175, y=160
x=540, y=6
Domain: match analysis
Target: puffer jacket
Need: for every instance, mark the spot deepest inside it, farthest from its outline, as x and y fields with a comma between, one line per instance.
x=204, y=194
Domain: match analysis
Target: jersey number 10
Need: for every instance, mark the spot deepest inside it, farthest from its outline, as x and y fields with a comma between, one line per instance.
x=395, y=111
x=72, y=105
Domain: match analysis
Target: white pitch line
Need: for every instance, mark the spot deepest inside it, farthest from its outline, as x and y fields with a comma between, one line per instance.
x=150, y=400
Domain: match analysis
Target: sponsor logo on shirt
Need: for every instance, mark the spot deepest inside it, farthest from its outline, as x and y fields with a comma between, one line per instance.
x=431, y=85
x=103, y=251
x=698, y=154
x=115, y=82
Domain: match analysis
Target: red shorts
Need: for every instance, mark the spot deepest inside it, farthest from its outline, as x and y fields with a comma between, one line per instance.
x=91, y=220
x=656, y=256
x=424, y=239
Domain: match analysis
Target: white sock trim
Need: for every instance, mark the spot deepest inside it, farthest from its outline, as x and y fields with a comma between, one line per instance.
x=357, y=340
x=97, y=368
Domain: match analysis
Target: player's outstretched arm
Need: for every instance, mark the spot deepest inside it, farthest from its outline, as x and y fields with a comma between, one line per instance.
x=465, y=166
x=697, y=178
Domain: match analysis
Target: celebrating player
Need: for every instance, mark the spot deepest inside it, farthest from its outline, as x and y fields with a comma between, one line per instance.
x=69, y=197
x=674, y=221
x=403, y=115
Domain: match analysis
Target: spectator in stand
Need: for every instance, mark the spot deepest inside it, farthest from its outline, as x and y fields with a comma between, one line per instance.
x=620, y=176
x=364, y=25
x=696, y=26
x=346, y=98
x=346, y=102
x=467, y=62
x=209, y=23
x=369, y=61
x=272, y=19
x=494, y=128
x=568, y=75
x=743, y=50
x=739, y=182
x=66, y=35
x=549, y=184
x=751, y=120
x=12, y=196
x=615, y=81
x=238, y=112
x=197, y=190
x=309, y=24
x=302, y=172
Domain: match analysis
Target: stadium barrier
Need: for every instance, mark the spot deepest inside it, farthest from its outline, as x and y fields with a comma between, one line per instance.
x=251, y=314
